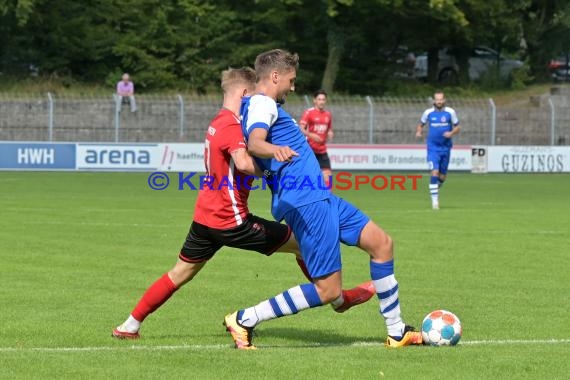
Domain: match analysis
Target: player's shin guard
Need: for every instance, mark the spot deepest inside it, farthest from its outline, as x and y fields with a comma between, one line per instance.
x=289, y=302
x=382, y=275
x=157, y=294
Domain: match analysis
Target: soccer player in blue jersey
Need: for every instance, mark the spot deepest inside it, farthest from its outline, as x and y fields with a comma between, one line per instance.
x=443, y=125
x=320, y=220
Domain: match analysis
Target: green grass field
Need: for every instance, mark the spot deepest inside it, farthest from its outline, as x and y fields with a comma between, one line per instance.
x=77, y=250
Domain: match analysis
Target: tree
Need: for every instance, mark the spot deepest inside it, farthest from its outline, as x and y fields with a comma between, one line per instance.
x=345, y=45
x=546, y=28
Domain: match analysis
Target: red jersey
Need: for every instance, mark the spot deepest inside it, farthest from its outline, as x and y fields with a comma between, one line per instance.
x=224, y=205
x=319, y=122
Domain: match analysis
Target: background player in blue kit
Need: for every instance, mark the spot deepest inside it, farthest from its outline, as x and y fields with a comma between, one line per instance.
x=443, y=125
x=320, y=220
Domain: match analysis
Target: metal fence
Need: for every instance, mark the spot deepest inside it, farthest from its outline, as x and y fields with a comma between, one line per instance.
x=541, y=120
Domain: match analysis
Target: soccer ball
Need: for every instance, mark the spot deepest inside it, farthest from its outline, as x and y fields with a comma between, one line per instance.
x=441, y=328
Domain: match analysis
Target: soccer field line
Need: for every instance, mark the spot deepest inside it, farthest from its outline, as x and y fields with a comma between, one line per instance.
x=227, y=346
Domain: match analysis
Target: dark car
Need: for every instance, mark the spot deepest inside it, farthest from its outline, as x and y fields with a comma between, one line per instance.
x=481, y=60
x=559, y=68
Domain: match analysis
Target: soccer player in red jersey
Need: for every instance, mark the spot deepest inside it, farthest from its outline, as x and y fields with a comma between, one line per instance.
x=221, y=214
x=316, y=124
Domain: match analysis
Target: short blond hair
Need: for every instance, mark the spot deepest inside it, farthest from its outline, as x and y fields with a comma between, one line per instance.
x=242, y=76
x=277, y=59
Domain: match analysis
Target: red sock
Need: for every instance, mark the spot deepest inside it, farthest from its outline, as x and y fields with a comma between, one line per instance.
x=304, y=269
x=157, y=294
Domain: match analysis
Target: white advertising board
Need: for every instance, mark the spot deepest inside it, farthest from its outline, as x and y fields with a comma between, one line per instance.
x=392, y=157
x=182, y=157
x=528, y=159
x=120, y=157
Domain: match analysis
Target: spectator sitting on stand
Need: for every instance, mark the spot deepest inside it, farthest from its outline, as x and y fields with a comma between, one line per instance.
x=126, y=88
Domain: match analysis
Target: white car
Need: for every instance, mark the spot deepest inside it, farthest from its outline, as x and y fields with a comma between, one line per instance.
x=481, y=59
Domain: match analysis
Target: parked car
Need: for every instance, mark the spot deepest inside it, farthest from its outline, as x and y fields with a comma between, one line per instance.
x=559, y=68
x=480, y=61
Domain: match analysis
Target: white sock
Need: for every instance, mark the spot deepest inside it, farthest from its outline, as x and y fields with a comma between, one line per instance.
x=433, y=189
x=397, y=329
x=387, y=291
x=289, y=302
x=131, y=325
x=339, y=301
x=249, y=316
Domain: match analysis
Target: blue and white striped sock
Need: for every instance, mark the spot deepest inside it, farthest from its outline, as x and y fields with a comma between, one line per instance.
x=434, y=188
x=382, y=275
x=289, y=302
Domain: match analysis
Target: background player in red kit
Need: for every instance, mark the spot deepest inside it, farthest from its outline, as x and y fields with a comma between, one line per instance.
x=221, y=215
x=316, y=124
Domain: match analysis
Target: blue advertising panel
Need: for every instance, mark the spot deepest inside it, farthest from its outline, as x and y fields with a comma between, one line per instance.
x=37, y=156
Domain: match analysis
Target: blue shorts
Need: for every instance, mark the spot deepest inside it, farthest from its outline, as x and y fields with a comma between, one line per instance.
x=438, y=160
x=320, y=227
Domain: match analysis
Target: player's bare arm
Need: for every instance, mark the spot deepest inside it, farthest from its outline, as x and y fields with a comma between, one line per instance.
x=419, y=130
x=245, y=163
x=259, y=147
x=310, y=135
x=456, y=129
x=330, y=135
x=315, y=137
x=304, y=127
